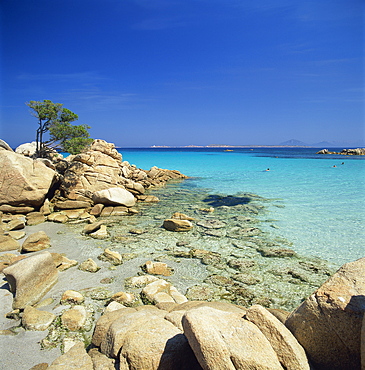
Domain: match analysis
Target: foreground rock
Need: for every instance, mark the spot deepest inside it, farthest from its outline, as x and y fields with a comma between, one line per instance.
x=31, y=278
x=26, y=181
x=328, y=323
x=224, y=340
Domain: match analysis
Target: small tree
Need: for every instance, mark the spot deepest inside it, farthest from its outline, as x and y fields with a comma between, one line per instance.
x=56, y=120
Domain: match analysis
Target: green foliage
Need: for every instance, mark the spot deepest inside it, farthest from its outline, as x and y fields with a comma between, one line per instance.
x=56, y=120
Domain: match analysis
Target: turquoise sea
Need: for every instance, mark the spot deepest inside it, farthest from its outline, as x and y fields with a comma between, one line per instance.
x=317, y=207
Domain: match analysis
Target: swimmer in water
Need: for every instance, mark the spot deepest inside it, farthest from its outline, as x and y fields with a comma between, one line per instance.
x=268, y=169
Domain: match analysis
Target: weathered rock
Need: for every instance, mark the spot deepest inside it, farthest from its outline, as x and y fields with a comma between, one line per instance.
x=328, y=323
x=127, y=299
x=224, y=340
x=72, y=204
x=113, y=306
x=112, y=256
x=211, y=224
x=27, y=149
x=276, y=252
x=182, y=216
x=15, y=224
x=7, y=243
x=15, y=209
x=75, y=358
x=58, y=218
x=35, y=218
x=100, y=361
x=75, y=318
x=36, y=242
x=290, y=353
x=101, y=233
x=96, y=210
x=17, y=234
x=31, y=278
x=34, y=319
x=177, y=225
x=72, y=297
x=114, y=196
x=62, y=262
x=5, y=146
x=162, y=291
x=140, y=281
x=89, y=266
x=157, y=268
x=26, y=181
x=157, y=345
x=104, y=322
x=95, y=226
x=7, y=259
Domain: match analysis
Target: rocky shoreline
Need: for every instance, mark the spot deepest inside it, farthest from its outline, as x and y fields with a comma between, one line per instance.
x=153, y=287
x=357, y=151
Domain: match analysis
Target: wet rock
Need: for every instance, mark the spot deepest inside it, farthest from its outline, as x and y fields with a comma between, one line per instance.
x=207, y=257
x=7, y=243
x=34, y=319
x=157, y=268
x=31, y=278
x=211, y=224
x=148, y=198
x=328, y=323
x=36, y=242
x=241, y=264
x=219, y=280
x=224, y=340
x=89, y=266
x=177, y=225
x=246, y=279
x=182, y=216
x=276, y=252
x=290, y=353
x=200, y=293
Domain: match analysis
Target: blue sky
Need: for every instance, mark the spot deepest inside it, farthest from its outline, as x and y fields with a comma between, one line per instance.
x=182, y=72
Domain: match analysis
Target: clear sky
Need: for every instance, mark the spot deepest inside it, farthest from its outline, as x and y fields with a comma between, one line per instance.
x=182, y=72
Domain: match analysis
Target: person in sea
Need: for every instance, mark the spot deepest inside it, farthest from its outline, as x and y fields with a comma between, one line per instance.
x=268, y=169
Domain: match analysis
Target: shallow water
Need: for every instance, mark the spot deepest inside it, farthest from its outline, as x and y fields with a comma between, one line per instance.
x=318, y=208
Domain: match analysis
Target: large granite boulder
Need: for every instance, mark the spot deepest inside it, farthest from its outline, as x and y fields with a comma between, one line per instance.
x=225, y=340
x=328, y=323
x=27, y=149
x=23, y=181
x=5, y=146
x=31, y=278
x=75, y=358
x=114, y=197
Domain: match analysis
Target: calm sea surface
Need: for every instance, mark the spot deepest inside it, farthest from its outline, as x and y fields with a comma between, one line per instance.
x=319, y=208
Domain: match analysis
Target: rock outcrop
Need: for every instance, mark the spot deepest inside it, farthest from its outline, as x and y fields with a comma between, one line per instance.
x=357, y=151
x=23, y=181
x=328, y=323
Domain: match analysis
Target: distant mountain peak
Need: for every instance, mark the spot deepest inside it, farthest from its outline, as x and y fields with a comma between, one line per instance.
x=294, y=142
